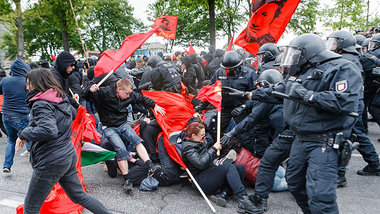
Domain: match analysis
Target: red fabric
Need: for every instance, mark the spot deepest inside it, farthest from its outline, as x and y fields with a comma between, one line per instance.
x=178, y=112
x=213, y=94
x=167, y=26
x=57, y=201
x=251, y=164
x=53, y=57
x=187, y=52
x=110, y=60
x=137, y=129
x=255, y=64
x=267, y=24
x=1, y=102
x=191, y=49
x=229, y=47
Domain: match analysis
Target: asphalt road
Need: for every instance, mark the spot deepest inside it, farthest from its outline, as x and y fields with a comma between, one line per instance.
x=362, y=195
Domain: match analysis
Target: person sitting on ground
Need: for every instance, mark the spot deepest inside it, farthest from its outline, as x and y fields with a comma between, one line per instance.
x=198, y=155
x=113, y=102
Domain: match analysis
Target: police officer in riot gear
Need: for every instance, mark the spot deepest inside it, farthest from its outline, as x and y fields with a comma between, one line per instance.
x=233, y=74
x=342, y=42
x=325, y=88
x=164, y=75
x=266, y=56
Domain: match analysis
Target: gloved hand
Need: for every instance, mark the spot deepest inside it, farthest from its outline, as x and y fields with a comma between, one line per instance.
x=238, y=110
x=225, y=140
x=370, y=56
x=299, y=92
x=234, y=92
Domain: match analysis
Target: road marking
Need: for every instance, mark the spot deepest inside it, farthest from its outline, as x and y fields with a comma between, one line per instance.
x=10, y=203
x=356, y=155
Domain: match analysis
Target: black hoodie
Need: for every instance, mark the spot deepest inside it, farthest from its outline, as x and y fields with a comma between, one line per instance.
x=64, y=60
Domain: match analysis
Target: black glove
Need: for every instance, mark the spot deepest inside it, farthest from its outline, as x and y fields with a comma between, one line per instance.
x=234, y=92
x=238, y=110
x=225, y=140
x=299, y=92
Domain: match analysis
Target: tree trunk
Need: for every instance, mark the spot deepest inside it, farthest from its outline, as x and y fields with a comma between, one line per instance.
x=366, y=21
x=249, y=8
x=65, y=35
x=211, y=10
x=20, y=31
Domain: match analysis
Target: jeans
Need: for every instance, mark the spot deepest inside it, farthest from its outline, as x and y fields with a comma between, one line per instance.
x=117, y=136
x=13, y=124
x=46, y=176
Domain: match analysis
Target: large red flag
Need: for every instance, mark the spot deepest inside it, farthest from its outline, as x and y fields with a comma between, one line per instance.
x=53, y=57
x=110, y=60
x=267, y=24
x=167, y=26
x=57, y=201
x=213, y=94
x=178, y=112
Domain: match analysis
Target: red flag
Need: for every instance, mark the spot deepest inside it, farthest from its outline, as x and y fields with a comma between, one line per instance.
x=229, y=47
x=187, y=52
x=110, y=60
x=213, y=94
x=178, y=112
x=267, y=23
x=53, y=57
x=57, y=201
x=167, y=26
x=191, y=49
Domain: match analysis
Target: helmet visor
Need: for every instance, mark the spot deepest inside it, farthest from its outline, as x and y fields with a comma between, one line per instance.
x=332, y=44
x=260, y=59
x=290, y=57
x=371, y=46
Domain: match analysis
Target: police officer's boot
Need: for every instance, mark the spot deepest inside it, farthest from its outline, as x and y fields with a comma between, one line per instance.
x=370, y=169
x=245, y=205
x=341, y=182
x=259, y=203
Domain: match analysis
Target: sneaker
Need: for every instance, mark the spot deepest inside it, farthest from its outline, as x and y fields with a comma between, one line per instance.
x=153, y=169
x=6, y=170
x=259, y=203
x=370, y=169
x=128, y=186
x=229, y=158
x=219, y=199
x=25, y=154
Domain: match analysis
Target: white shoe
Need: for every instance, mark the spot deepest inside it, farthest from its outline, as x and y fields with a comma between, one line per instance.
x=25, y=154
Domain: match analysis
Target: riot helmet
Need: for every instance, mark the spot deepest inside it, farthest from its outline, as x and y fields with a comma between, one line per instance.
x=359, y=39
x=269, y=76
x=374, y=43
x=231, y=63
x=268, y=52
x=341, y=40
x=365, y=44
x=307, y=48
x=154, y=60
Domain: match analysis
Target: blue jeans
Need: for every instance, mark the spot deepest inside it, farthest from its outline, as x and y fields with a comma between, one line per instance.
x=117, y=136
x=13, y=124
x=46, y=176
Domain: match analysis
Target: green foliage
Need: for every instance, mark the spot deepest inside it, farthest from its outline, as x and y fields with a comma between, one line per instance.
x=9, y=44
x=109, y=23
x=229, y=17
x=345, y=14
x=304, y=18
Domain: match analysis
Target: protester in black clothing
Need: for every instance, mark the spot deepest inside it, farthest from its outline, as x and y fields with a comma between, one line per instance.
x=64, y=65
x=198, y=155
x=214, y=65
x=197, y=62
x=53, y=156
x=165, y=76
x=189, y=74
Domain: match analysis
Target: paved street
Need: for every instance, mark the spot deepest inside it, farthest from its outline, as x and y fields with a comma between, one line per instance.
x=362, y=194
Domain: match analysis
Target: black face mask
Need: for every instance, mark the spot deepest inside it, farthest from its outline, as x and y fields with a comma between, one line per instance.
x=234, y=73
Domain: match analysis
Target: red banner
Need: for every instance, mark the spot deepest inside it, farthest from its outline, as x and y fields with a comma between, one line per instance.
x=110, y=60
x=267, y=24
x=167, y=26
x=229, y=47
x=212, y=94
x=57, y=201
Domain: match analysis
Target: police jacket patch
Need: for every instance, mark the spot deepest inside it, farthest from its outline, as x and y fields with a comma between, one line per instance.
x=341, y=86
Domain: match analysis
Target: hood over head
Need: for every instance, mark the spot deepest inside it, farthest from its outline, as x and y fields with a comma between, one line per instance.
x=19, y=68
x=187, y=61
x=219, y=53
x=64, y=60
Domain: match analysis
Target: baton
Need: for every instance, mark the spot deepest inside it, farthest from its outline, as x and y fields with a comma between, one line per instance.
x=285, y=96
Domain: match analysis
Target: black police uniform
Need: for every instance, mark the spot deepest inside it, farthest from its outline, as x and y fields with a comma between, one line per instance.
x=166, y=78
x=313, y=164
x=374, y=93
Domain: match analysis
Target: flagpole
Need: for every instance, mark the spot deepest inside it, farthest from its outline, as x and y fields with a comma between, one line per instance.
x=104, y=78
x=200, y=190
x=218, y=130
x=80, y=37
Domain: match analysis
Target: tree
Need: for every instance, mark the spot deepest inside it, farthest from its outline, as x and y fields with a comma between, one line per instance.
x=304, y=18
x=345, y=14
x=109, y=23
x=230, y=17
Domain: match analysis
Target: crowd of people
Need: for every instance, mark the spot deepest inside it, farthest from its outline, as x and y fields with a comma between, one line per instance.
x=300, y=108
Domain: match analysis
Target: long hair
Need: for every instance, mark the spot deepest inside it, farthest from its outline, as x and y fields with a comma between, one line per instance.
x=194, y=128
x=42, y=80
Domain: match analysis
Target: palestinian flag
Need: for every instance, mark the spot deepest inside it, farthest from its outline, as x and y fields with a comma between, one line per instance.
x=93, y=154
